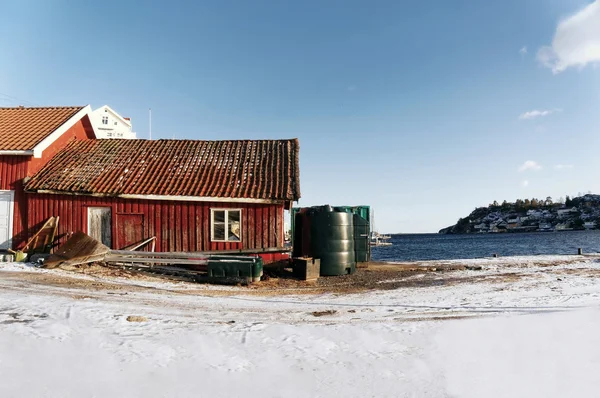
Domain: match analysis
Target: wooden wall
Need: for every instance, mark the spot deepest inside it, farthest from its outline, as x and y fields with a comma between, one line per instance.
x=178, y=226
x=14, y=168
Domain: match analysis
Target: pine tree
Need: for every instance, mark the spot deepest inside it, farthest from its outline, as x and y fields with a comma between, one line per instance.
x=568, y=201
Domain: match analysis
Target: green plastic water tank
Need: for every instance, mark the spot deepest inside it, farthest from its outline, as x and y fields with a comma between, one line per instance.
x=332, y=240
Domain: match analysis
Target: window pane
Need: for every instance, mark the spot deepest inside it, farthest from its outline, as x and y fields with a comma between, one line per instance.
x=234, y=226
x=219, y=231
x=219, y=216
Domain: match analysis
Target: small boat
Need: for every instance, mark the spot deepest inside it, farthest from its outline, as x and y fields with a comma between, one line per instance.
x=377, y=239
x=380, y=240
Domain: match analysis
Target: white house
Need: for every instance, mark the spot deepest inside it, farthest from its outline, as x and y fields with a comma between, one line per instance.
x=566, y=211
x=109, y=124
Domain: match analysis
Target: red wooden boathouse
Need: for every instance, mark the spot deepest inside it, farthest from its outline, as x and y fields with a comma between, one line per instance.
x=29, y=137
x=191, y=195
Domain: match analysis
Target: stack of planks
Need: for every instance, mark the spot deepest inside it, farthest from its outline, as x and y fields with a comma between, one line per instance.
x=200, y=267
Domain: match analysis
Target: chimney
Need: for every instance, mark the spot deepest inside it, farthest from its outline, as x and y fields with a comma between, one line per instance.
x=127, y=118
x=21, y=107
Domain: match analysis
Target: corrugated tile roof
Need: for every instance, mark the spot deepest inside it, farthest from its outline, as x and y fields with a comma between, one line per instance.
x=21, y=129
x=264, y=169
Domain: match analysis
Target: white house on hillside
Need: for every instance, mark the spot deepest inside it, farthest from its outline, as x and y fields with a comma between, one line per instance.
x=109, y=124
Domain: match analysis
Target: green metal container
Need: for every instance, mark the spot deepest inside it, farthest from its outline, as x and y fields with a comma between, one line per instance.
x=362, y=247
x=363, y=211
x=332, y=240
x=245, y=268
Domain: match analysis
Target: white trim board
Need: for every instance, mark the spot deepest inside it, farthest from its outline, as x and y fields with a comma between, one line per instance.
x=23, y=153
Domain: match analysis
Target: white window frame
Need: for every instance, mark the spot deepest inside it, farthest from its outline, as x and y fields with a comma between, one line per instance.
x=212, y=225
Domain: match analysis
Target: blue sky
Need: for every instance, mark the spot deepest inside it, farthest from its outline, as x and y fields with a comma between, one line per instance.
x=423, y=110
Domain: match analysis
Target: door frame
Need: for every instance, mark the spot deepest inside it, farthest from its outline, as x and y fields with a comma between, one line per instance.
x=87, y=217
x=11, y=215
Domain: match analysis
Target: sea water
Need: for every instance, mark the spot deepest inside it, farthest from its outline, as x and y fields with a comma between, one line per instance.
x=418, y=247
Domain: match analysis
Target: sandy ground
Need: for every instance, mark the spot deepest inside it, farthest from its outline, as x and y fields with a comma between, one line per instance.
x=521, y=326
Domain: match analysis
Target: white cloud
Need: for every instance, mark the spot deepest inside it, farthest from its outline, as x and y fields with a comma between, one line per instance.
x=524, y=183
x=536, y=113
x=530, y=165
x=523, y=51
x=576, y=41
x=563, y=166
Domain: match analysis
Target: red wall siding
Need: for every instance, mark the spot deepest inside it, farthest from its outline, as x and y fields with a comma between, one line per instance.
x=178, y=226
x=13, y=169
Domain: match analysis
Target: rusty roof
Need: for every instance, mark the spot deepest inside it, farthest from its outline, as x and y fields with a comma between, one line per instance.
x=257, y=169
x=21, y=129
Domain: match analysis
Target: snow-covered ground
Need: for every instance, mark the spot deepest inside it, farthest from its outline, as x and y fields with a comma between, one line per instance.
x=521, y=327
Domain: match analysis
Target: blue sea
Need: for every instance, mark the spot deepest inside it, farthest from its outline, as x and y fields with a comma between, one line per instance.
x=419, y=247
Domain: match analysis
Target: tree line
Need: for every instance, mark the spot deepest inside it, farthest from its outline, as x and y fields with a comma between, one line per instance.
x=533, y=203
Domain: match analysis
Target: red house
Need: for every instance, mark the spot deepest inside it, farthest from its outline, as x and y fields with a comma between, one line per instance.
x=29, y=137
x=191, y=195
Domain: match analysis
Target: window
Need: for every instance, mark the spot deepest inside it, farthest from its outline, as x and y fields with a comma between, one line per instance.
x=226, y=225
x=104, y=119
x=115, y=123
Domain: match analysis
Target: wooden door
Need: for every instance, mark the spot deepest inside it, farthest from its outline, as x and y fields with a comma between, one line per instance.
x=6, y=216
x=130, y=229
x=100, y=224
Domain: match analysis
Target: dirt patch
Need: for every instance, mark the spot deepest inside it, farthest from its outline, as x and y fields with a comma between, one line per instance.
x=324, y=313
x=136, y=318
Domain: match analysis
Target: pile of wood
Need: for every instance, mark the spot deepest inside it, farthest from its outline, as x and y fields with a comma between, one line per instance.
x=40, y=243
x=82, y=249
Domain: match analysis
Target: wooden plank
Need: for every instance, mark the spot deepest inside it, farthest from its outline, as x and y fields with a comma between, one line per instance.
x=201, y=254
x=165, y=261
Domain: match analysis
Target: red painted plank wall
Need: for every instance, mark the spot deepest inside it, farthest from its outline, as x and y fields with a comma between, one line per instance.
x=12, y=171
x=177, y=225
x=14, y=168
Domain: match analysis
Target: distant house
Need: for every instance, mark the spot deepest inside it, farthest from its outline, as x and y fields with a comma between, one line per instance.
x=29, y=137
x=191, y=195
x=481, y=227
x=498, y=227
x=109, y=124
x=562, y=227
x=589, y=225
x=512, y=220
x=566, y=211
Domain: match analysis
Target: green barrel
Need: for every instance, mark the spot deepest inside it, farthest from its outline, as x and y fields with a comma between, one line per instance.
x=362, y=248
x=332, y=240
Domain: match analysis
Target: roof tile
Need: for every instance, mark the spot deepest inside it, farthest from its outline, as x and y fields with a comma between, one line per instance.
x=21, y=129
x=265, y=169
